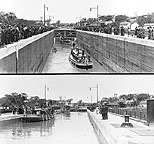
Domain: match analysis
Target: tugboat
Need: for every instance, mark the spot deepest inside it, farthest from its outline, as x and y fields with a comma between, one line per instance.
x=78, y=58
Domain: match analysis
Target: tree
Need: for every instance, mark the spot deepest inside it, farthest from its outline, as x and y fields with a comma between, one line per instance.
x=3, y=102
x=69, y=101
x=113, y=99
x=121, y=18
x=106, y=18
x=141, y=20
x=58, y=23
x=10, y=17
x=121, y=104
x=91, y=20
x=142, y=97
x=80, y=102
x=7, y=17
x=83, y=22
x=13, y=100
x=33, y=101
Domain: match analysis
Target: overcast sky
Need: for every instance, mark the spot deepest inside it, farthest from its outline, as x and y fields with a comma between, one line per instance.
x=71, y=10
x=76, y=86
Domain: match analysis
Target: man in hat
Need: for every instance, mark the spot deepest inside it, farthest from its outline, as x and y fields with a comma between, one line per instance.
x=105, y=110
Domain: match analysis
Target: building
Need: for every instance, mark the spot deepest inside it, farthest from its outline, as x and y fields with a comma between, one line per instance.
x=147, y=25
x=134, y=25
x=126, y=25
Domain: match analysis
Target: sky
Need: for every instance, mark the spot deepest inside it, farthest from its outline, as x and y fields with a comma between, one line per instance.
x=71, y=10
x=76, y=87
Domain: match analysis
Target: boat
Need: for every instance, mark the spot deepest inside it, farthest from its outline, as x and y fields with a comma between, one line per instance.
x=64, y=40
x=38, y=115
x=82, y=109
x=81, y=60
x=66, y=109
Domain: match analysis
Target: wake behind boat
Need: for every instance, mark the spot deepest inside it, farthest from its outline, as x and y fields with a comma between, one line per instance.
x=78, y=58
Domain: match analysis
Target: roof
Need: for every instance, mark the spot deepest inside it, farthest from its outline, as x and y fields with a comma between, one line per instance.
x=149, y=24
x=124, y=23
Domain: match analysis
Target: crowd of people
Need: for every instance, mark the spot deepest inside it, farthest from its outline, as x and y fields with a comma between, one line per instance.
x=13, y=33
x=107, y=29
x=139, y=32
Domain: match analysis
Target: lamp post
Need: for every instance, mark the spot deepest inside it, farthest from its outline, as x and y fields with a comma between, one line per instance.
x=97, y=12
x=44, y=13
x=97, y=91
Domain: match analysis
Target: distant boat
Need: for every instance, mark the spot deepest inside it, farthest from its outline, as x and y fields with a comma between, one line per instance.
x=64, y=40
x=66, y=109
x=82, y=109
x=38, y=115
x=81, y=60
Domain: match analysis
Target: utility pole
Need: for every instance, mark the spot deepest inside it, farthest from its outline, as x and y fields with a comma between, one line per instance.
x=44, y=13
x=97, y=12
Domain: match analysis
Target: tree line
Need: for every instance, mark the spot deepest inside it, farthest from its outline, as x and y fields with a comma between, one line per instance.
x=128, y=99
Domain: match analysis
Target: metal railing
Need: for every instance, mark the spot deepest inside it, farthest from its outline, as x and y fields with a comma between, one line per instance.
x=138, y=113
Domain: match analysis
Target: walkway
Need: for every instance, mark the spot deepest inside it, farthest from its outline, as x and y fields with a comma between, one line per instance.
x=139, y=134
x=9, y=116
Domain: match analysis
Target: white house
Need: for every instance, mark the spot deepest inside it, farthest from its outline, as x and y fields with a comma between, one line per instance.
x=126, y=25
x=146, y=25
x=134, y=25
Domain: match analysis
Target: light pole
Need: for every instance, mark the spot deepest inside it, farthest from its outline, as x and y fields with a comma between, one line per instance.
x=97, y=92
x=44, y=13
x=97, y=12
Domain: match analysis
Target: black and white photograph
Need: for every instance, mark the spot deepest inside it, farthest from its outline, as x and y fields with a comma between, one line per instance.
x=76, y=36
x=76, y=72
x=78, y=109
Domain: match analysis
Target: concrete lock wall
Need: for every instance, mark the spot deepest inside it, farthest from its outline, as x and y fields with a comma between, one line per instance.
x=32, y=54
x=118, y=53
x=103, y=130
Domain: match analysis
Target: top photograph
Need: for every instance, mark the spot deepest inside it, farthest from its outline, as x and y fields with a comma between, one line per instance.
x=76, y=36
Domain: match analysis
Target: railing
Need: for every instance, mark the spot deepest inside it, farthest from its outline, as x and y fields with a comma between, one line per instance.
x=138, y=113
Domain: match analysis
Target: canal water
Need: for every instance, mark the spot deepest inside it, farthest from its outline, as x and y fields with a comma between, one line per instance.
x=58, y=62
x=70, y=128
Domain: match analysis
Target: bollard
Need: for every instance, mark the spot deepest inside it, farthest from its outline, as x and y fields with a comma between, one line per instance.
x=126, y=124
x=126, y=118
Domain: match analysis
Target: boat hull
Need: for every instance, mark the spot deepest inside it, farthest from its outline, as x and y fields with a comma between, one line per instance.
x=26, y=119
x=80, y=65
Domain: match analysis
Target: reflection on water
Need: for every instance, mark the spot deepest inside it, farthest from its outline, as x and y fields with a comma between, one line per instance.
x=64, y=128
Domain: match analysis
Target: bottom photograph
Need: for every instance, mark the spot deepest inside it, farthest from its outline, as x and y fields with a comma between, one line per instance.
x=76, y=109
